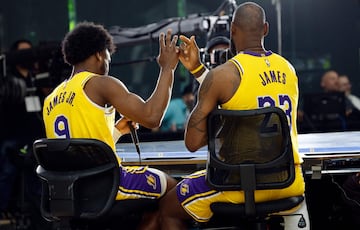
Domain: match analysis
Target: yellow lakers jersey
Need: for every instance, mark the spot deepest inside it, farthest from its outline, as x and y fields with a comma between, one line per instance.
x=69, y=113
x=267, y=80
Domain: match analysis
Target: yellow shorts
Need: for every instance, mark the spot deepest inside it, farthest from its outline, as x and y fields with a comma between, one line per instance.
x=196, y=196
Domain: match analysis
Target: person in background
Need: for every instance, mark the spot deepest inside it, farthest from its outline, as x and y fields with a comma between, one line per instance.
x=22, y=125
x=330, y=81
x=178, y=111
x=232, y=85
x=215, y=50
x=24, y=69
x=352, y=103
x=88, y=99
x=329, y=84
x=345, y=86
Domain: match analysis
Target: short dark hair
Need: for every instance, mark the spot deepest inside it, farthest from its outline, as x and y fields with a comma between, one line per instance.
x=188, y=89
x=14, y=46
x=85, y=40
x=217, y=40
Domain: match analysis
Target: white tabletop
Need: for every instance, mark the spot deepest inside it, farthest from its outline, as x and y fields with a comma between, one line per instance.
x=312, y=145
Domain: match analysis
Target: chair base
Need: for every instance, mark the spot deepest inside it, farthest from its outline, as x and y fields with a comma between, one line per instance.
x=272, y=223
x=124, y=214
x=231, y=216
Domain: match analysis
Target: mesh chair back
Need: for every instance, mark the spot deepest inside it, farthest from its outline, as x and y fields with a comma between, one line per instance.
x=249, y=142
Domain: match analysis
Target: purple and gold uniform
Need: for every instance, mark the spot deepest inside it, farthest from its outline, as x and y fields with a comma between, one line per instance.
x=267, y=80
x=69, y=113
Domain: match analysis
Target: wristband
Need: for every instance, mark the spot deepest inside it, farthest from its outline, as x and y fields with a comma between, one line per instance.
x=116, y=134
x=202, y=76
x=197, y=69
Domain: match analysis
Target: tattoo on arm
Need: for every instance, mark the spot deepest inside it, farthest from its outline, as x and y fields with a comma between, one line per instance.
x=196, y=120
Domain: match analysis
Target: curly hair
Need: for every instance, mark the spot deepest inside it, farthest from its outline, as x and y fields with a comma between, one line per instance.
x=85, y=40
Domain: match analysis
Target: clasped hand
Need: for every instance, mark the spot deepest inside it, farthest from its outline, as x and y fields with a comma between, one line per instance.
x=188, y=52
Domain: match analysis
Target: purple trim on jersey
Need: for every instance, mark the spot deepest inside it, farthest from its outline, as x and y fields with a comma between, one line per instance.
x=138, y=181
x=190, y=187
x=267, y=53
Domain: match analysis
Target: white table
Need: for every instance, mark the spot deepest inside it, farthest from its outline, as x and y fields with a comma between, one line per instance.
x=336, y=152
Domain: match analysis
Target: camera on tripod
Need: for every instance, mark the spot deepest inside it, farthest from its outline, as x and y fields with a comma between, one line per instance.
x=216, y=57
x=216, y=51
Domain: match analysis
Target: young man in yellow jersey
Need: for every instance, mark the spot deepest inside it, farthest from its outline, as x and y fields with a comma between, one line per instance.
x=243, y=82
x=84, y=105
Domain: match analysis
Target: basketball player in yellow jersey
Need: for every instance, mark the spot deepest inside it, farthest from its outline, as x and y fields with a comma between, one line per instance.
x=84, y=105
x=253, y=78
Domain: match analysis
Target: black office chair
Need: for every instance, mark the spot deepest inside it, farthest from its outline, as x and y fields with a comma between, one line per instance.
x=250, y=150
x=80, y=179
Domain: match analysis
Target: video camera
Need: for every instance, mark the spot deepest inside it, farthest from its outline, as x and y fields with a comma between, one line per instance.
x=215, y=58
x=216, y=51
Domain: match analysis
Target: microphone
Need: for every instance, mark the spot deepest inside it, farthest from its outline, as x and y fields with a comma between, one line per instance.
x=135, y=139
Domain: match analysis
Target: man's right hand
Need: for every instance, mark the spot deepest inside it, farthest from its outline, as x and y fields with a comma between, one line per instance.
x=169, y=52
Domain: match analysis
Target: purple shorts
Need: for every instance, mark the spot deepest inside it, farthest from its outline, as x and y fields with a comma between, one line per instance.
x=141, y=182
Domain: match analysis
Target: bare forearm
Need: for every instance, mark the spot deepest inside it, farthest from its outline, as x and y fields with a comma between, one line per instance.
x=196, y=131
x=159, y=100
